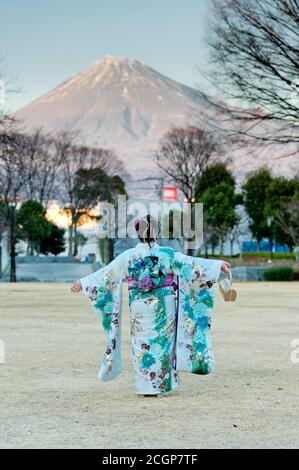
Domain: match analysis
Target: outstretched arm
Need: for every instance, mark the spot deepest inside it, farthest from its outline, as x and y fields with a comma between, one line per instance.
x=212, y=267
x=76, y=287
x=116, y=267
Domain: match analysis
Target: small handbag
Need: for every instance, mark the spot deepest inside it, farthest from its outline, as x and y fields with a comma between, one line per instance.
x=225, y=286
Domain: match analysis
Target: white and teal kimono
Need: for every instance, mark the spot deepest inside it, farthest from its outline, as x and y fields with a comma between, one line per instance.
x=171, y=297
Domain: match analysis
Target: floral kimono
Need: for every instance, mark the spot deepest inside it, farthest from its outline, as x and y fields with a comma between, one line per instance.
x=171, y=296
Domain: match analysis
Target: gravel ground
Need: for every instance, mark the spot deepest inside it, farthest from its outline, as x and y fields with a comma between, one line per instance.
x=51, y=397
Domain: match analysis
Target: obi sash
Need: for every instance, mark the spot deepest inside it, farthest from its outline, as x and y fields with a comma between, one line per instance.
x=169, y=281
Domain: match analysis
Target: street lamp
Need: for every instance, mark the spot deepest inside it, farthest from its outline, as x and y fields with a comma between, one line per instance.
x=269, y=223
x=12, y=239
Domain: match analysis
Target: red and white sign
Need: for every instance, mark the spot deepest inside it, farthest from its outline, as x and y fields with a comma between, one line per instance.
x=169, y=193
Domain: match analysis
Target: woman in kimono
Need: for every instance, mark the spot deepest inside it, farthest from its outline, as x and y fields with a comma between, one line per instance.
x=171, y=296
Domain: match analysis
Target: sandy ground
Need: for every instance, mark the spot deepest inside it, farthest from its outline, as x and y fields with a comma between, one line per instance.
x=51, y=397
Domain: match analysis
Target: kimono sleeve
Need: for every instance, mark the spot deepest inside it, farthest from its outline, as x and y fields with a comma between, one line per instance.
x=205, y=269
x=104, y=289
x=111, y=274
x=196, y=279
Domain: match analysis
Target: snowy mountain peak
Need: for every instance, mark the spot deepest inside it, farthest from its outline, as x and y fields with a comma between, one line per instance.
x=117, y=102
x=114, y=62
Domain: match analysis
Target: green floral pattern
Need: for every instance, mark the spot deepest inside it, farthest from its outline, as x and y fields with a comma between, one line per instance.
x=152, y=310
x=195, y=303
x=167, y=334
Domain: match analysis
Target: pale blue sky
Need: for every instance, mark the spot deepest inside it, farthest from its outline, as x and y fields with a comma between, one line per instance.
x=46, y=42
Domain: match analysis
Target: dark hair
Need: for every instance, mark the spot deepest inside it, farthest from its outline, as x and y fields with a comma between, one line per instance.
x=148, y=229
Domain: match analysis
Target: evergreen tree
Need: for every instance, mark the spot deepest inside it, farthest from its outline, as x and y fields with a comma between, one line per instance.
x=32, y=225
x=215, y=188
x=255, y=200
x=55, y=242
x=281, y=195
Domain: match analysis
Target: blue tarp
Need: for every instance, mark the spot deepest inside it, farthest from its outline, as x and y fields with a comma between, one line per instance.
x=266, y=246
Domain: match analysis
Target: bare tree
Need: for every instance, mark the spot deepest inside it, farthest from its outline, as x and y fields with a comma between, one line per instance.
x=2, y=231
x=43, y=163
x=255, y=65
x=238, y=230
x=12, y=181
x=76, y=157
x=9, y=188
x=287, y=218
x=183, y=155
x=12, y=163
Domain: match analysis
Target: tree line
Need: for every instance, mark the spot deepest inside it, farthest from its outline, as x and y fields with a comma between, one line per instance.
x=192, y=159
x=39, y=167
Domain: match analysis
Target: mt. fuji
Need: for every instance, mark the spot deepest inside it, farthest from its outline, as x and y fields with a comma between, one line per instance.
x=117, y=103
x=124, y=105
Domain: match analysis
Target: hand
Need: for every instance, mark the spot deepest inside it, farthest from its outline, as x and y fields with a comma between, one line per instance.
x=225, y=267
x=76, y=287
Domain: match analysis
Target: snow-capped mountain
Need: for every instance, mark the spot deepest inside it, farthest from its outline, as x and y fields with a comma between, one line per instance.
x=118, y=103
x=124, y=105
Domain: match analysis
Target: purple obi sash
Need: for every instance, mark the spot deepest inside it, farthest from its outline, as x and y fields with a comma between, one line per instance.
x=168, y=282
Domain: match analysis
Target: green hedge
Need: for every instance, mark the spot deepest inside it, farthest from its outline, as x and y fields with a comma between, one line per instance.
x=226, y=257
x=265, y=254
x=279, y=273
x=254, y=254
